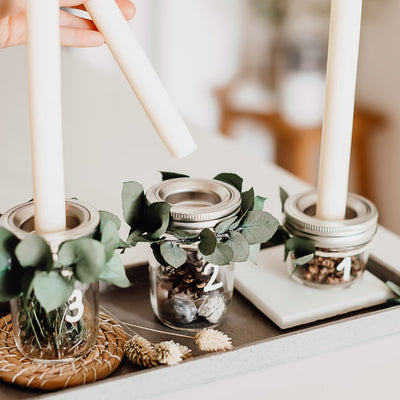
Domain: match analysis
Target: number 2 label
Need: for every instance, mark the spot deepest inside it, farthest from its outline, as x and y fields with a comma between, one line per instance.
x=210, y=285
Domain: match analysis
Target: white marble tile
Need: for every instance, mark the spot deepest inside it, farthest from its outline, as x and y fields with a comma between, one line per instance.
x=288, y=303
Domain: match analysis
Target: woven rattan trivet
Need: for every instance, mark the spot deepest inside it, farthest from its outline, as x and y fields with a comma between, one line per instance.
x=100, y=362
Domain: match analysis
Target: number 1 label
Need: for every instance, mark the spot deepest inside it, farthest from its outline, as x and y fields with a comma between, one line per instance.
x=345, y=266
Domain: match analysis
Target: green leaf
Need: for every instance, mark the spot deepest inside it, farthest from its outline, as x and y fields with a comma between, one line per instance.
x=184, y=235
x=157, y=219
x=299, y=246
x=34, y=251
x=253, y=253
x=224, y=226
x=137, y=237
x=114, y=272
x=106, y=216
x=232, y=179
x=157, y=254
x=284, y=196
x=173, y=254
x=258, y=226
x=8, y=243
x=236, y=224
x=393, y=287
x=110, y=239
x=239, y=246
x=248, y=200
x=51, y=289
x=86, y=256
x=172, y=175
x=133, y=203
x=10, y=279
x=222, y=255
x=303, y=260
x=208, y=242
x=259, y=202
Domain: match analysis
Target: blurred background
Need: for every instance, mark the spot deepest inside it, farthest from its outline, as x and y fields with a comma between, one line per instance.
x=253, y=70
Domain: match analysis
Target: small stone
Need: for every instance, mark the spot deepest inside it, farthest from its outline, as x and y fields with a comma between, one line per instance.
x=179, y=310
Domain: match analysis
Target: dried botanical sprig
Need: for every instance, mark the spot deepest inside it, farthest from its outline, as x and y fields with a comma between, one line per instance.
x=185, y=351
x=209, y=339
x=168, y=353
x=140, y=352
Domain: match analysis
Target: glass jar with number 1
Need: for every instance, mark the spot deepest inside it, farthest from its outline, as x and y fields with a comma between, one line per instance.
x=69, y=331
x=196, y=294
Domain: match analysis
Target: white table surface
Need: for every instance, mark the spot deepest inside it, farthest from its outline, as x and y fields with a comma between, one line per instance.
x=108, y=140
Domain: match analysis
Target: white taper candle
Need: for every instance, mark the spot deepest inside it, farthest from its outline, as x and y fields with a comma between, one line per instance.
x=141, y=76
x=344, y=37
x=43, y=30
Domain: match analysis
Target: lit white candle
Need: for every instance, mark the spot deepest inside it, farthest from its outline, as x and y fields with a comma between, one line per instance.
x=141, y=76
x=344, y=37
x=45, y=114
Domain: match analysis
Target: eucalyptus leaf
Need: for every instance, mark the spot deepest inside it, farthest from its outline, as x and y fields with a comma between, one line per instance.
x=208, y=242
x=393, y=287
x=51, y=289
x=232, y=179
x=133, y=203
x=110, y=239
x=224, y=226
x=172, y=175
x=299, y=246
x=283, y=194
x=254, y=252
x=33, y=251
x=137, y=237
x=239, y=246
x=114, y=272
x=10, y=279
x=303, y=260
x=258, y=226
x=236, y=224
x=184, y=235
x=222, y=255
x=106, y=216
x=248, y=200
x=8, y=243
x=157, y=254
x=173, y=254
x=157, y=219
x=86, y=256
x=259, y=203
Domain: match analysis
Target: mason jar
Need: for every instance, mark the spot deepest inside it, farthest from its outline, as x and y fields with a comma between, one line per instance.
x=341, y=246
x=71, y=330
x=196, y=294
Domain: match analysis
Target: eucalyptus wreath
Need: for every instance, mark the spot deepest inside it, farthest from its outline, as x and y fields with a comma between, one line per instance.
x=28, y=267
x=235, y=239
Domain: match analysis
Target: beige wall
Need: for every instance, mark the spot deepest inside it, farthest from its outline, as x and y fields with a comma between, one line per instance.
x=379, y=86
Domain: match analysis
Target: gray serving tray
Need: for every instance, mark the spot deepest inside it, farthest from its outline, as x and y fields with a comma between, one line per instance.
x=258, y=343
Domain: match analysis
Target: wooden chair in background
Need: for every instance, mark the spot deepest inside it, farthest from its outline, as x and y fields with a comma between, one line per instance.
x=296, y=147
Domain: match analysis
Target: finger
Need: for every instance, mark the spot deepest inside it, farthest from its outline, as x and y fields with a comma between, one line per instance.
x=80, y=37
x=127, y=7
x=72, y=21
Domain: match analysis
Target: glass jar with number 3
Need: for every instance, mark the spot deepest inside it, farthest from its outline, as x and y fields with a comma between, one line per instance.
x=69, y=331
x=196, y=294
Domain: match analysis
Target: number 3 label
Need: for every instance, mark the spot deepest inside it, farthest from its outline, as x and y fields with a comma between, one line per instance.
x=210, y=285
x=75, y=304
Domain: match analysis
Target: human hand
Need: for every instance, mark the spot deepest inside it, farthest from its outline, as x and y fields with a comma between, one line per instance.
x=74, y=31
